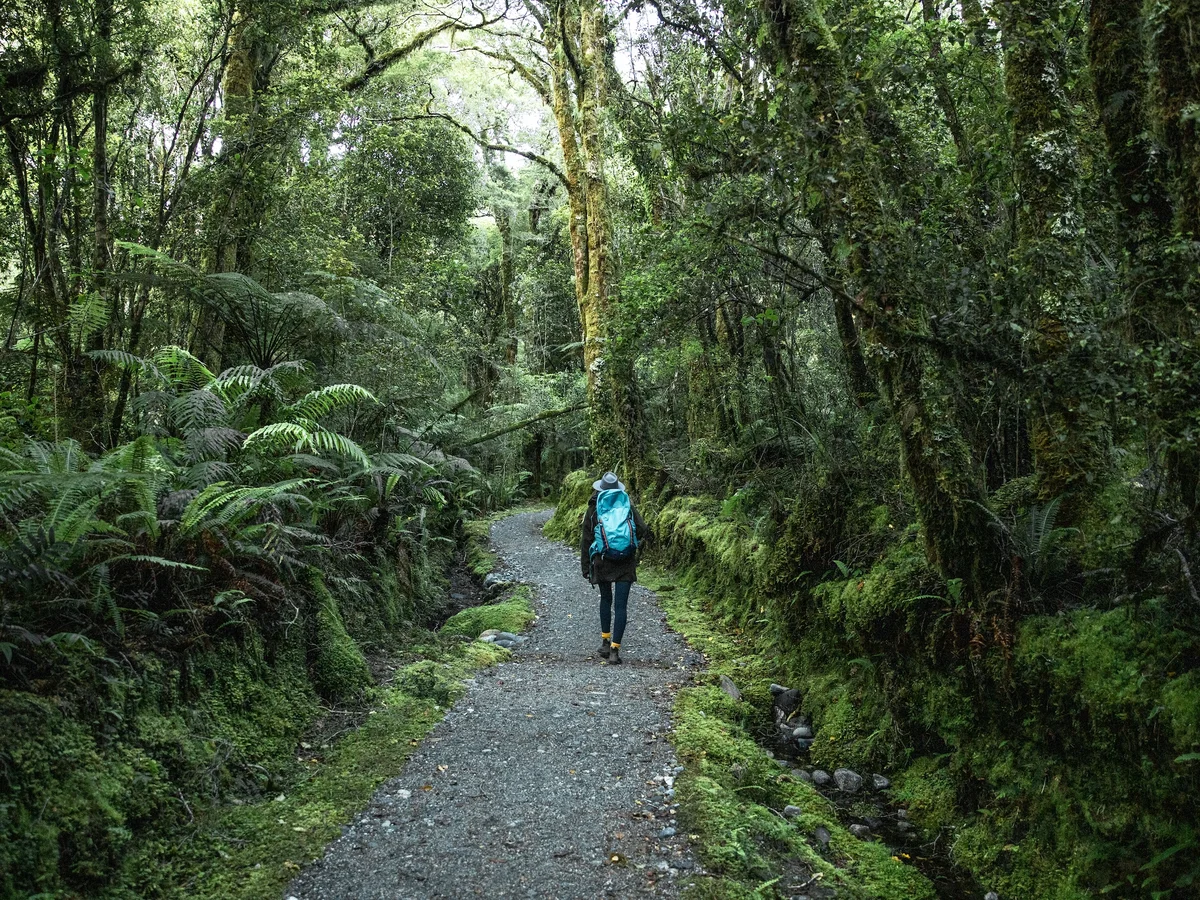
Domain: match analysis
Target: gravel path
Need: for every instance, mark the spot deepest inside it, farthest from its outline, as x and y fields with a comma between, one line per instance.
x=551, y=778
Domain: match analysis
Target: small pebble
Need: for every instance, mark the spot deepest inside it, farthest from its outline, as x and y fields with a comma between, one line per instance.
x=821, y=778
x=790, y=811
x=860, y=831
x=881, y=783
x=667, y=832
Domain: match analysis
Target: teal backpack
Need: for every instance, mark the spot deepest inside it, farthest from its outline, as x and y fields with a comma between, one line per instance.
x=616, y=534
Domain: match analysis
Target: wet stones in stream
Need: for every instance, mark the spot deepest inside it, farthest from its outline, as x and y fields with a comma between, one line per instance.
x=862, y=802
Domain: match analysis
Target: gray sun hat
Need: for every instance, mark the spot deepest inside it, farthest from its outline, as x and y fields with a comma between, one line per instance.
x=608, y=482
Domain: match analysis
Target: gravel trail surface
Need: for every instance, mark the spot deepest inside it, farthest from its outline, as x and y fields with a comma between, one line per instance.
x=550, y=778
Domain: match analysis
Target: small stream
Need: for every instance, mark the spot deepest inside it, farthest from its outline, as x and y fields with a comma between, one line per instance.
x=873, y=808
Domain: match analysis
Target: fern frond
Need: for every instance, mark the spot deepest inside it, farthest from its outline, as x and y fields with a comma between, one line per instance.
x=197, y=409
x=181, y=369
x=222, y=505
x=316, y=404
x=87, y=314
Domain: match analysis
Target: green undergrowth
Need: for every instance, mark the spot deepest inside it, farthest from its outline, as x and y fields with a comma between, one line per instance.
x=215, y=772
x=480, y=560
x=262, y=845
x=572, y=504
x=732, y=793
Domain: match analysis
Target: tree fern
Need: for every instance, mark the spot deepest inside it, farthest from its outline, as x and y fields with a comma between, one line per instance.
x=307, y=436
x=180, y=369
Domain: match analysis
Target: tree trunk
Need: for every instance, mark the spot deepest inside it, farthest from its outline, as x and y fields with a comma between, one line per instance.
x=1178, y=57
x=575, y=38
x=937, y=460
x=503, y=217
x=1177, y=52
x=1069, y=437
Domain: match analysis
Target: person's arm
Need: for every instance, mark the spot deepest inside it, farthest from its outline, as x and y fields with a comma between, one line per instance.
x=585, y=541
x=643, y=530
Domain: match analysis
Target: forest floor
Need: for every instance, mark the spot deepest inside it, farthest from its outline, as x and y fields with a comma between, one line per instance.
x=551, y=777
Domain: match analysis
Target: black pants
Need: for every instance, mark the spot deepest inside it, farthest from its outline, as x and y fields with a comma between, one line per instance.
x=607, y=596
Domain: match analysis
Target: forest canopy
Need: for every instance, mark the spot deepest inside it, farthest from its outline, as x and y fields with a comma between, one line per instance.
x=886, y=311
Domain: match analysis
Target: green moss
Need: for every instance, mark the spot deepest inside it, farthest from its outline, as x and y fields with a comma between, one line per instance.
x=480, y=560
x=572, y=504
x=891, y=597
x=513, y=615
x=731, y=792
x=264, y=844
x=339, y=669
x=928, y=791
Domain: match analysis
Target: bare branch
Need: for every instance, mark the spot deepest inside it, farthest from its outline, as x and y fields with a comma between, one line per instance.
x=381, y=64
x=547, y=163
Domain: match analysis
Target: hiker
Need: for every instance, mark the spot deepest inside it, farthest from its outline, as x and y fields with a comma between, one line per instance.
x=609, y=547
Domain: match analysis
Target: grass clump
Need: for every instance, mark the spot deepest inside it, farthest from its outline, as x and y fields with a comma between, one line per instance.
x=513, y=614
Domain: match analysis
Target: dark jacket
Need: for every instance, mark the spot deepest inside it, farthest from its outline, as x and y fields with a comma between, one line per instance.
x=600, y=569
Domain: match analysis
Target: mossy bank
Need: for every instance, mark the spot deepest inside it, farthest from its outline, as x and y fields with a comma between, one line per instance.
x=218, y=773
x=1054, y=756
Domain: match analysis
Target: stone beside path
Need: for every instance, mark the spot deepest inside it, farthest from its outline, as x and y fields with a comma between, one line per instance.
x=551, y=778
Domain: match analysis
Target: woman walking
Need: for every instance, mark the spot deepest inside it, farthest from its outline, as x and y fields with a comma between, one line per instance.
x=612, y=539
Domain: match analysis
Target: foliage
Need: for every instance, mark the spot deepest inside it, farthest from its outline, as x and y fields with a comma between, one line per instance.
x=889, y=310
x=1060, y=738
x=732, y=793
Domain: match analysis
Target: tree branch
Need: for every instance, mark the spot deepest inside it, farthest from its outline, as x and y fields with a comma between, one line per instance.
x=381, y=64
x=540, y=417
x=531, y=78
x=530, y=155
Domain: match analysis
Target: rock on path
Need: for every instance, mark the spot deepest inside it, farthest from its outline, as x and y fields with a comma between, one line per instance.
x=550, y=766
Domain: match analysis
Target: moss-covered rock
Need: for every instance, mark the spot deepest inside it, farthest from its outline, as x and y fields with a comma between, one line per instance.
x=513, y=614
x=568, y=515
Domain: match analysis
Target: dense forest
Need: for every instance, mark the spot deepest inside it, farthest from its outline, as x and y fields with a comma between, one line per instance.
x=887, y=310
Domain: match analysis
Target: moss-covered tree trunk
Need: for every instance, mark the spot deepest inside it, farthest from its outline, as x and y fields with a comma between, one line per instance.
x=576, y=40
x=241, y=199
x=1068, y=434
x=503, y=217
x=1176, y=26
x=937, y=460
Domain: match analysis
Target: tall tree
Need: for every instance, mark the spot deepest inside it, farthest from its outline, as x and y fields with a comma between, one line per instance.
x=939, y=464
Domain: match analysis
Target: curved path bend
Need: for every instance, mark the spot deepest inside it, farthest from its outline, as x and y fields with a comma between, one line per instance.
x=549, y=779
